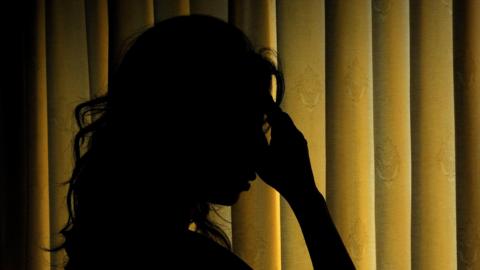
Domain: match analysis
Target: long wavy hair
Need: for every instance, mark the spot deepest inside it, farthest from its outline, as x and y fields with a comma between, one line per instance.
x=173, y=60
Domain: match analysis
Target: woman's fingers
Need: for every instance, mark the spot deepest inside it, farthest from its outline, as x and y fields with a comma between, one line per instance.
x=283, y=128
x=286, y=157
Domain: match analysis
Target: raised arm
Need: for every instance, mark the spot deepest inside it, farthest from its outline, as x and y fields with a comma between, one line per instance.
x=285, y=165
x=325, y=246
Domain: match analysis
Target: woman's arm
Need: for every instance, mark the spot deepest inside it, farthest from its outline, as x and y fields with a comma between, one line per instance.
x=285, y=166
x=324, y=244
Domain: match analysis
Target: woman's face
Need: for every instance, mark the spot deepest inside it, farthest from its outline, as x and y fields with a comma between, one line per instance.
x=231, y=151
x=209, y=157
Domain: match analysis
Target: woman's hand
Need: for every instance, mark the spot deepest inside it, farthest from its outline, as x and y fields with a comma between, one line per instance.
x=285, y=163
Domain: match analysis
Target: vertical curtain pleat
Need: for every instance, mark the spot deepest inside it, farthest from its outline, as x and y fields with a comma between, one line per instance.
x=38, y=223
x=303, y=63
x=433, y=137
x=256, y=216
x=256, y=19
x=350, y=148
x=127, y=20
x=68, y=84
x=467, y=87
x=391, y=92
x=96, y=13
x=165, y=9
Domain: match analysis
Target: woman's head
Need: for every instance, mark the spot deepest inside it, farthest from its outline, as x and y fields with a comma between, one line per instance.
x=188, y=102
x=180, y=127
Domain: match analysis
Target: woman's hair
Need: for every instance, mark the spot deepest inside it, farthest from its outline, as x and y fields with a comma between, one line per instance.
x=192, y=62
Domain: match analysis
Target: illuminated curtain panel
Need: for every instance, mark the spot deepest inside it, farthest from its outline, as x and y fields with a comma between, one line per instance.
x=301, y=46
x=349, y=127
x=391, y=92
x=67, y=84
x=38, y=225
x=467, y=86
x=255, y=218
x=433, y=137
x=222, y=215
x=127, y=20
x=165, y=9
x=96, y=12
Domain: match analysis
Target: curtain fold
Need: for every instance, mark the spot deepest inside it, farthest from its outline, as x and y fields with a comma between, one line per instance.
x=433, y=137
x=385, y=91
x=391, y=98
x=96, y=13
x=165, y=9
x=349, y=127
x=127, y=20
x=467, y=122
x=38, y=207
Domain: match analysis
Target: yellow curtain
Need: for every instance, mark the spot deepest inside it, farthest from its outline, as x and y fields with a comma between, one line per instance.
x=392, y=133
x=433, y=137
x=385, y=91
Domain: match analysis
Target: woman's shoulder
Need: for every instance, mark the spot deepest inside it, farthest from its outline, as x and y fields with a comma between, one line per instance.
x=200, y=252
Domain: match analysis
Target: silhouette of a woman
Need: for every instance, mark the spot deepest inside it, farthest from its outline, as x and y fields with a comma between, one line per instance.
x=182, y=127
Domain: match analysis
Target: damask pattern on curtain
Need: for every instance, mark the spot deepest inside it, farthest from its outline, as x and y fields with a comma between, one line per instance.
x=386, y=93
